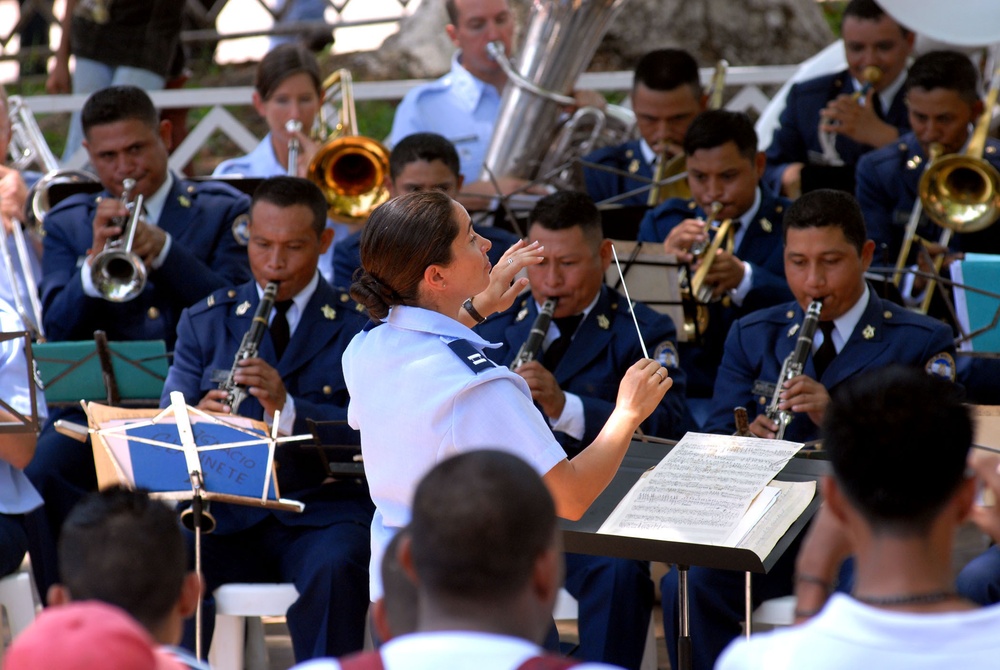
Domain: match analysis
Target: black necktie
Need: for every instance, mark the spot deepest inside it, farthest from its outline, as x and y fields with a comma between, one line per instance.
x=876, y=102
x=567, y=327
x=826, y=351
x=280, y=333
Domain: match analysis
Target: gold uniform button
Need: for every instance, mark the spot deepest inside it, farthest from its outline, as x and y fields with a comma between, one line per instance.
x=344, y=297
x=153, y=313
x=887, y=314
x=762, y=400
x=231, y=293
x=327, y=390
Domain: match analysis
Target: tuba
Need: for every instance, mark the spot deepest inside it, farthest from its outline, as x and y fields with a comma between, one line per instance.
x=670, y=177
x=560, y=40
x=348, y=168
x=119, y=275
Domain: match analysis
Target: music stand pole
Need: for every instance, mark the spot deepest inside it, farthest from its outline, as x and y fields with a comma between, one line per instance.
x=684, y=660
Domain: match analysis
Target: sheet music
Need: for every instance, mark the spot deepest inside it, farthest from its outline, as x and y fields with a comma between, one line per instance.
x=701, y=490
x=791, y=502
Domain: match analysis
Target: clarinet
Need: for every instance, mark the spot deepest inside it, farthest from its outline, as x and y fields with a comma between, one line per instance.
x=793, y=366
x=249, y=348
x=529, y=350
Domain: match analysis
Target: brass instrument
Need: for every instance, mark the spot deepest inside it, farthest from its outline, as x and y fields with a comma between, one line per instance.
x=249, y=348
x=33, y=320
x=350, y=170
x=961, y=192
x=28, y=147
x=560, y=40
x=293, y=126
x=696, y=297
x=793, y=366
x=670, y=176
x=529, y=350
x=119, y=275
x=935, y=150
x=828, y=138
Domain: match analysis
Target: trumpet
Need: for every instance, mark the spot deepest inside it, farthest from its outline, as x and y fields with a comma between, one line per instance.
x=249, y=348
x=793, y=366
x=706, y=251
x=529, y=350
x=293, y=126
x=676, y=166
x=119, y=275
x=828, y=138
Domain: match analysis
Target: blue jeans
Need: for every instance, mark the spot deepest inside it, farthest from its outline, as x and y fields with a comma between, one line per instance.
x=90, y=76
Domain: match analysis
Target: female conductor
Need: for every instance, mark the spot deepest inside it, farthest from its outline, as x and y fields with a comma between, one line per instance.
x=421, y=389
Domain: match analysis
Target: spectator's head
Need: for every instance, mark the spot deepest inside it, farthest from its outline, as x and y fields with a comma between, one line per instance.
x=125, y=139
x=120, y=547
x=666, y=96
x=568, y=225
x=898, y=439
x=483, y=545
x=723, y=163
x=942, y=96
x=872, y=38
x=288, y=233
x=287, y=87
x=86, y=635
x=395, y=613
x=424, y=162
x=472, y=25
x=420, y=249
x=827, y=251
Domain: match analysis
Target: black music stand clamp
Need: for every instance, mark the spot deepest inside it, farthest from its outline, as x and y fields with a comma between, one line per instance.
x=582, y=536
x=339, y=459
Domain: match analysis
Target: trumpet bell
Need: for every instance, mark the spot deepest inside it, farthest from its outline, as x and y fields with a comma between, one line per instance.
x=118, y=275
x=961, y=193
x=351, y=172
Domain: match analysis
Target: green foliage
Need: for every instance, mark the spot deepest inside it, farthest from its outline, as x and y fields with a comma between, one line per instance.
x=375, y=118
x=833, y=10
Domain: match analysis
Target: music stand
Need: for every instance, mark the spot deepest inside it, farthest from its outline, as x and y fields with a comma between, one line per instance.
x=170, y=453
x=652, y=276
x=338, y=459
x=22, y=423
x=582, y=536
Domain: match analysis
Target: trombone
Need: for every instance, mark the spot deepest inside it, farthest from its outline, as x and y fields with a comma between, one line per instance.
x=677, y=165
x=293, y=126
x=348, y=168
x=118, y=274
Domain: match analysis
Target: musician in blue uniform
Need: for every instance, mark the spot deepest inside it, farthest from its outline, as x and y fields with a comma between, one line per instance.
x=189, y=242
x=724, y=166
x=826, y=254
x=419, y=162
x=589, y=345
x=942, y=95
x=324, y=551
x=666, y=96
x=830, y=103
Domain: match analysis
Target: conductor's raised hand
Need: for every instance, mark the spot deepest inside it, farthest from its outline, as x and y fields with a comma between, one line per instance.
x=505, y=285
x=642, y=388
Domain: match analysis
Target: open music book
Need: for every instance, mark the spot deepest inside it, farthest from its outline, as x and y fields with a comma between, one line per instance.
x=717, y=490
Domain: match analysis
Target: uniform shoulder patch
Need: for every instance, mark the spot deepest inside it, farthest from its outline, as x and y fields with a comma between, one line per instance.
x=241, y=229
x=223, y=296
x=471, y=356
x=941, y=365
x=666, y=355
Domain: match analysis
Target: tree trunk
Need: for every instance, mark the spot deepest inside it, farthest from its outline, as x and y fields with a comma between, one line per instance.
x=749, y=32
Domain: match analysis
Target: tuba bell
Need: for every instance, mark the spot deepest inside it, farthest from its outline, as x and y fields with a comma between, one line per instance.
x=350, y=170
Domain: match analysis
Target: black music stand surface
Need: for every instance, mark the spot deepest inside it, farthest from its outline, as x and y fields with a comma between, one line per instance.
x=582, y=536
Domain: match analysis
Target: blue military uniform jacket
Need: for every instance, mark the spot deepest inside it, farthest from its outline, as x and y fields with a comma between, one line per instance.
x=887, y=187
x=626, y=157
x=347, y=254
x=206, y=254
x=208, y=338
x=604, y=347
x=759, y=343
x=797, y=136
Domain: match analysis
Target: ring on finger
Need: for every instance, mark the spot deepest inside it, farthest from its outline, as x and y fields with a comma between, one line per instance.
x=510, y=261
x=658, y=373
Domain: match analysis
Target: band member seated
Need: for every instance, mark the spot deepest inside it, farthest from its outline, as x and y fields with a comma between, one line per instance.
x=831, y=103
x=419, y=162
x=324, y=551
x=723, y=166
x=666, y=96
x=942, y=95
x=189, y=242
x=898, y=442
x=588, y=347
x=826, y=254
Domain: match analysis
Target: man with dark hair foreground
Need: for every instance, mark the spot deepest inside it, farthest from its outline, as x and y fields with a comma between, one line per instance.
x=483, y=548
x=898, y=440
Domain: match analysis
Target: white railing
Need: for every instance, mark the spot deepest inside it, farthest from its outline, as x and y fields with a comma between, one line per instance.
x=746, y=81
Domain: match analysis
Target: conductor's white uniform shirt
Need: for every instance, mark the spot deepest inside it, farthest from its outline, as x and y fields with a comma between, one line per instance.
x=422, y=391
